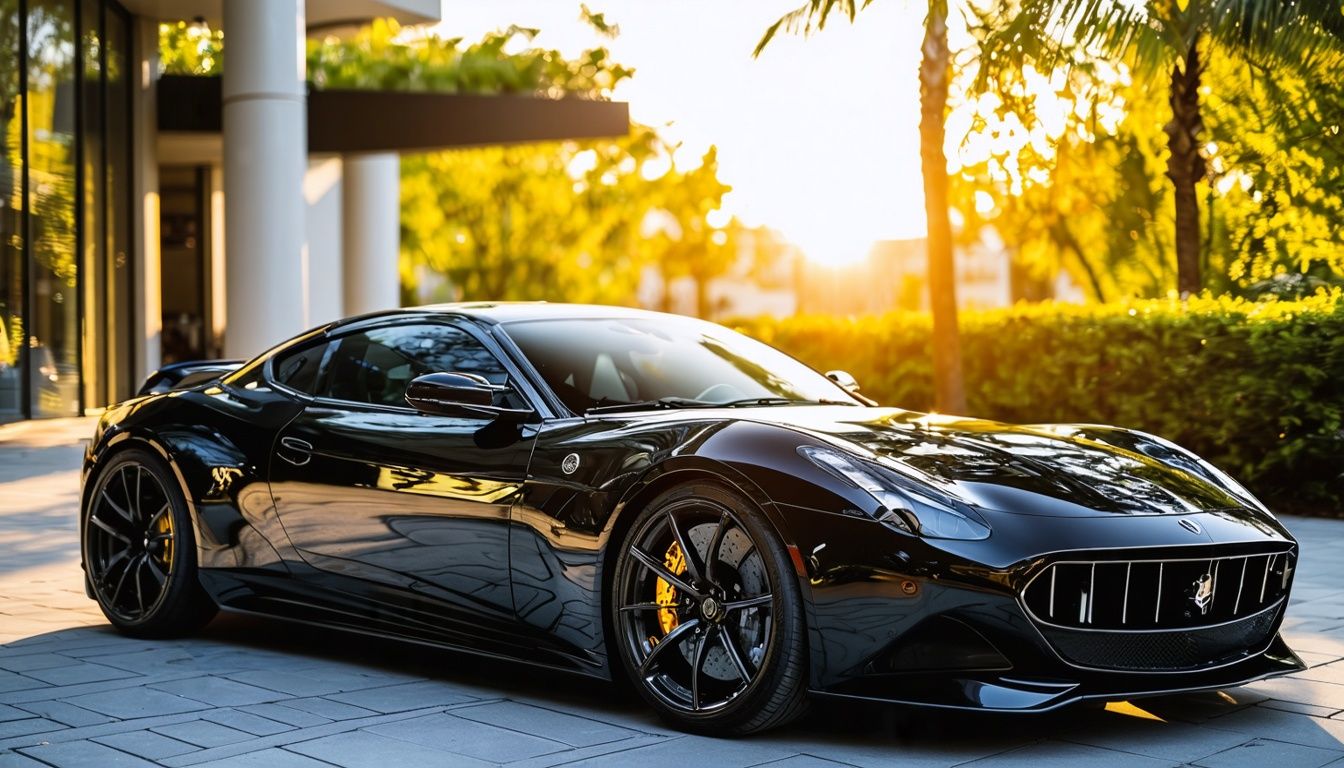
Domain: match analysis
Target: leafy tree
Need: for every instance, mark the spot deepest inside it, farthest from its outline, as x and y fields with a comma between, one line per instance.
x=935, y=74
x=190, y=49
x=1064, y=169
x=576, y=221
x=1160, y=38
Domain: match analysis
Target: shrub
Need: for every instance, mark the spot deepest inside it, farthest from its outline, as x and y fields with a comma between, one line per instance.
x=1257, y=388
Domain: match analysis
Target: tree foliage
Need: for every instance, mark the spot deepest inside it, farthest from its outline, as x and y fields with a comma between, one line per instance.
x=577, y=221
x=1085, y=191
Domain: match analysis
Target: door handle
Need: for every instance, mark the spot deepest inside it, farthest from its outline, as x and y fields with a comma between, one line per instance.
x=303, y=448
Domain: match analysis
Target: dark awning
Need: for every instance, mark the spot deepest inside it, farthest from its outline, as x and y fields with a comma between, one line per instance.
x=404, y=121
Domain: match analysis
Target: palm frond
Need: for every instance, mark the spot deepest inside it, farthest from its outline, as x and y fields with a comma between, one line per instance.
x=1294, y=32
x=810, y=17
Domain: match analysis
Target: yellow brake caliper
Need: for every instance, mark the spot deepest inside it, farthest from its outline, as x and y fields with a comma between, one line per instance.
x=665, y=594
x=165, y=525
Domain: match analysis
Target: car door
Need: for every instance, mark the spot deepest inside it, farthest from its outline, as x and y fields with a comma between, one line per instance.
x=370, y=489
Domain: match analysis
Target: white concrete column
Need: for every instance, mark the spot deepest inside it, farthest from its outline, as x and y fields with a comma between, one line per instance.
x=219, y=319
x=371, y=231
x=265, y=157
x=322, y=192
x=148, y=290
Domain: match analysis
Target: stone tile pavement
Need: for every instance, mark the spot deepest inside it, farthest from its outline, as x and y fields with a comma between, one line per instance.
x=249, y=692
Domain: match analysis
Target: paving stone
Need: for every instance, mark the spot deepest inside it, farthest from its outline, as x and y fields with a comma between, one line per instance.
x=361, y=749
x=546, y=723
x=148, y=661
x=147, y=744
x=468, y=737
x=1285, y=726
x=1179, y=742
x=401, y=698
x=333, y=710
x=267, y=758
x=1301, y=691
x=15, y=760
x=1263, y=753
x=803, y=761
x=243, y=721
x=1326, y=673
x=288, y=715
x=10, y=681
x=11, y=728
x=137, y=702
x=1056, y=754
x=691, y=751
x=13, y=713
x=1301, y=709
x=66, y=713
x=298, y=684
x=218, y=692
x=26, y=662
x=203, y=733
x=78, y=673
x=83, y=754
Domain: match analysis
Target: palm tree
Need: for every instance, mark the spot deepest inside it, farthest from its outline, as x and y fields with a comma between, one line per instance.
x=1162, y=38
x=935, y=70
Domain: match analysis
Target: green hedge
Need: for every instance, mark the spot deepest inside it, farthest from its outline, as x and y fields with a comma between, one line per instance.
x=1256, y=388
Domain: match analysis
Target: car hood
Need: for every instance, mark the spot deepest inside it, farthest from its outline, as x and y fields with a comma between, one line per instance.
x=1044, y=469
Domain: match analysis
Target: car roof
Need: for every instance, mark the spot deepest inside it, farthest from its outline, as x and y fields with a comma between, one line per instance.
x=504, y=312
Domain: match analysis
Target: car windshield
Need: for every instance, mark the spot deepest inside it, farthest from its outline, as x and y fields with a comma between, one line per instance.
x=594, y=363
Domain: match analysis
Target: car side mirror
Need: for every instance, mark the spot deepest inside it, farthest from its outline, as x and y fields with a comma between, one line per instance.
x=844, y=379
x=460, y=394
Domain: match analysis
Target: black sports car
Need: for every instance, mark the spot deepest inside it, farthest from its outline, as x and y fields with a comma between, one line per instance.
x=629, y=494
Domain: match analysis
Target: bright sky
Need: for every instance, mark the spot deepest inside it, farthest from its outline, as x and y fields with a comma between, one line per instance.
x=819, y=137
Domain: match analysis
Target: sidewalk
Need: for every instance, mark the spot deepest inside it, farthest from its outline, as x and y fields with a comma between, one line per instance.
x=249, y=692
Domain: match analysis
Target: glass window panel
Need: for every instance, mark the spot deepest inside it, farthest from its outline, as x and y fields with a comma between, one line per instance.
x=92, y=240
x=120, y=365
x=11, y=209
x=53, y=339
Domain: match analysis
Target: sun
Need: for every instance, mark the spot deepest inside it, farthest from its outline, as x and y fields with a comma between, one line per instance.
x=835, y=246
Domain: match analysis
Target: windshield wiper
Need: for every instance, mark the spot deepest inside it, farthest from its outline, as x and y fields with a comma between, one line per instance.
x=686, y=402
x=649, y=405
x=762, y=401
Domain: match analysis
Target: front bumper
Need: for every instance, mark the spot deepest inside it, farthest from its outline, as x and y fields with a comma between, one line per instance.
x=903, y=620
x=1006, y=692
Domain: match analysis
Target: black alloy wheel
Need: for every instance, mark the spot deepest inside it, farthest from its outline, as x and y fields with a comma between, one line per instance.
x=708, y=615
x=139, y=552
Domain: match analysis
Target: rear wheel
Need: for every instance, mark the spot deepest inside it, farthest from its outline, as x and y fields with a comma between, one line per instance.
x=139, y=551
x=708, y=615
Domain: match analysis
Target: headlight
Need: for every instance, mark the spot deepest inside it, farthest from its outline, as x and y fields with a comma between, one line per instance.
x=905, y=504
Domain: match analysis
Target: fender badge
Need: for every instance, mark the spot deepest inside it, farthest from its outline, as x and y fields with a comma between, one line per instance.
x=1186, y=523
x=570, y=464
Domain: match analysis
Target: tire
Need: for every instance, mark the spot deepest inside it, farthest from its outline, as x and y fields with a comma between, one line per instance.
x=139, y=549
x=715, y=645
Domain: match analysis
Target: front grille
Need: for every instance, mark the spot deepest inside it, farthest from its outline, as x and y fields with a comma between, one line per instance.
x=1141, y=595
x=1165, y=651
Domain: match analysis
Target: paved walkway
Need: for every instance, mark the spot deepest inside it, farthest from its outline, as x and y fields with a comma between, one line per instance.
x=257, y=693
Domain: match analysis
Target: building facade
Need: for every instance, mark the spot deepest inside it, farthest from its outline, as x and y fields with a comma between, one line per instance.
x=66, y=260
x=148, y=219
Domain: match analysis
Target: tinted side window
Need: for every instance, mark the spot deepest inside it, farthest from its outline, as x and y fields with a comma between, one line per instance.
x=375, y=366
x=298, y=370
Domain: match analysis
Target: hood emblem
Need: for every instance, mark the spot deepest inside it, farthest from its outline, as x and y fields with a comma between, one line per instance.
x=1191, y=525
x=1203, y=596
x=570, y=464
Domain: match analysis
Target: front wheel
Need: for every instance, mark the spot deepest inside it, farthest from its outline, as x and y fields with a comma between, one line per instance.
x=139, y=552
x=708, y=614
